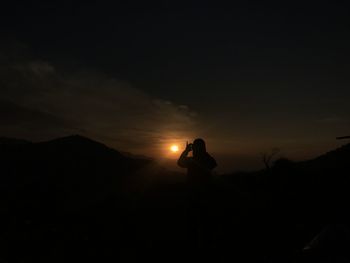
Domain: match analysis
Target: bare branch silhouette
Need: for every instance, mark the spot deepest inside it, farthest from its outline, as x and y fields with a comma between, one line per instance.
x=267, y=157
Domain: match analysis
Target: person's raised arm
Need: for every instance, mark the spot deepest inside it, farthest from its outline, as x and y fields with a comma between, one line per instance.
x=183, y=160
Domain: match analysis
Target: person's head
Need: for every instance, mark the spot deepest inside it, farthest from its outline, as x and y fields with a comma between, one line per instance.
x=198, y=147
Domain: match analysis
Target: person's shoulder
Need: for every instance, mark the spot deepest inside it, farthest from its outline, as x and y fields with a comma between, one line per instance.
x=212, y=160
x=208, y=156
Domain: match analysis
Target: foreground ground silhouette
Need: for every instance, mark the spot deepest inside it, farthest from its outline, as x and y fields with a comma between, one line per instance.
x=75, y=189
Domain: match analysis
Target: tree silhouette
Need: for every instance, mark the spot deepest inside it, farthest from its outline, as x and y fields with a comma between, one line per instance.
x=267, y=157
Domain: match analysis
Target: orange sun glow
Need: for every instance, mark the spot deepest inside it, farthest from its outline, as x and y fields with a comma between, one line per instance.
x=174, y=148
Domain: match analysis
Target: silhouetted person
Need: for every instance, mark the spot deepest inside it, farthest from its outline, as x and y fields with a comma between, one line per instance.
x=199, y=168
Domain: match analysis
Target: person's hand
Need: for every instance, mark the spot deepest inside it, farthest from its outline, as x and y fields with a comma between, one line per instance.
x=188, y=147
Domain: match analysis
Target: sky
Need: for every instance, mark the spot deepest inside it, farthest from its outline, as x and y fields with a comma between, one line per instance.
x=248, y=76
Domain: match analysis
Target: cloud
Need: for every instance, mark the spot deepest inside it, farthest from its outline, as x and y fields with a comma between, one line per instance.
x=49, y=103
x=22, y=122
x=333, y=120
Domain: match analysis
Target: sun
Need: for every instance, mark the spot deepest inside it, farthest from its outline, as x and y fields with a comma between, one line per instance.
x=174, y=148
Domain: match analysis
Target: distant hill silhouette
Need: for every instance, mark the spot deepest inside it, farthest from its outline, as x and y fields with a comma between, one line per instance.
x=294, y=200
x=75, y=170
x=11, y=141
x=323, y=183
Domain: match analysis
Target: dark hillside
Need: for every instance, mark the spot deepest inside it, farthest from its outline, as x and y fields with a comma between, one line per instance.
x=74, y=188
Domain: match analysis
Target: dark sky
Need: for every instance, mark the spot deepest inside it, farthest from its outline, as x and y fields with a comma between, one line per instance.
x=140, y=75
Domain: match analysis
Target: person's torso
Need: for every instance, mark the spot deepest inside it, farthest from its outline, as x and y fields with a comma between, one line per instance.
x=198, y=173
